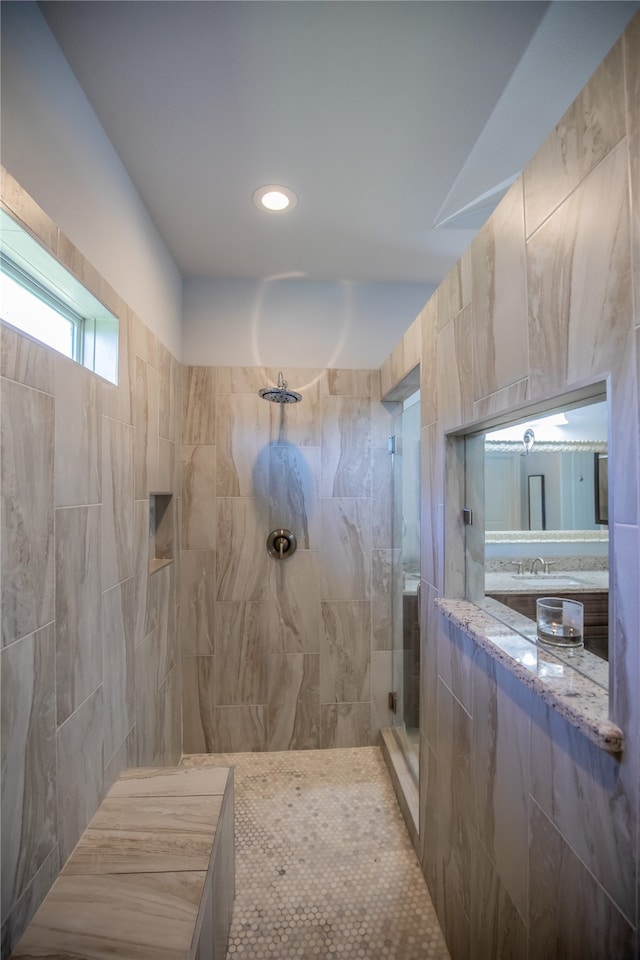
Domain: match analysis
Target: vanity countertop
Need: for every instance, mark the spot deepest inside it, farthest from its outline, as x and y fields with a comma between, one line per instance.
x=560, y=582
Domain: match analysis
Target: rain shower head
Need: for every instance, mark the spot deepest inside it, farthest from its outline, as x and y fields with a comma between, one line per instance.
x=280, y=394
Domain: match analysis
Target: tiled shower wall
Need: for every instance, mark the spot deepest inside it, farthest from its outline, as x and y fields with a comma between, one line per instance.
x=89, y=667
x=292, y=654
x=529, y=832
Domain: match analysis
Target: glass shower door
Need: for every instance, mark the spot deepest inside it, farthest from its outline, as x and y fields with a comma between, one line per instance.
x=406, y=578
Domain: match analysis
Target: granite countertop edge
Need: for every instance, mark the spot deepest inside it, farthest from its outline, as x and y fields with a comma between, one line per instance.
x=580, y=700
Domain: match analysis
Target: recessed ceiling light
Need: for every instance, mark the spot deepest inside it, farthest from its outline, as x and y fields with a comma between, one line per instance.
x=274, y=198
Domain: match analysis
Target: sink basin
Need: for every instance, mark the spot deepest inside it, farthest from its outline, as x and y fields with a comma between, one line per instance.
x=546, y=580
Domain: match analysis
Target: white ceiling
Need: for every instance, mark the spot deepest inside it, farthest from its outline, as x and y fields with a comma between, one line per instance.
x=386, y=119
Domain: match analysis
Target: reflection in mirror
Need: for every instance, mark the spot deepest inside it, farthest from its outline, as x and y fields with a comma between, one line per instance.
x=537, y=507
x=545, y=501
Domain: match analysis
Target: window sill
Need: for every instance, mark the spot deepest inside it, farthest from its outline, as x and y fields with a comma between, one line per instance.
x=576, y=691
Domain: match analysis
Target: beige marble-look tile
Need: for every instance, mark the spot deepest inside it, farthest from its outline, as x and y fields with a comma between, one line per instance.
x=23, y=208
x=386, y=597
x=345, y=651
x=145, y=344
x=381, y=684
x=146, y=699
x=124, y=757
x=496, y=926
x=224, y=873
x=243, y=567
x=241, y=728
x=455, y=805
x=346, y=447
x=428, y=818
x=166, y=475
x=78, y=437
x=580, y=312
x=117, y=398
x=294, y=608
x=432, y=625
x=345, y=383
x=346, y=549
x=170, y=717
x=294, y=501
x=197, y=600
x=293, y=712
x=178, y=781
x=241, y=379
x=454, y=292
x=156, y=915
x=91, y=279
x=25, y=360
x=15, y=923
x=624, y=435
x=345, y=725
x=512, y=396
x=118, y=665
x=577, y=798
x=28, y=761
x=78, y=637
x=198, y=498
x=429, y=363
x=499, y=305
x=381, y=496
x=198, y=705
x=146, y=835
x=80, y=742
x=297, y=423
x=455, y=663
x=501, y=707
x=164, y=584
x=432, y=510
x=242, y=653
x=588, y=131
x=141, y=543
x=570, y=915
x=243, y=425
x=170, y=374
x=26, y=473
x=146, y=412
x=455, y=371
x=199, y=405
x=117, y=502
x=625, y=613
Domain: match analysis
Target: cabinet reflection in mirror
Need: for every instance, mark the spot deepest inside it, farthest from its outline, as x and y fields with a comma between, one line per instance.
x=545, y=509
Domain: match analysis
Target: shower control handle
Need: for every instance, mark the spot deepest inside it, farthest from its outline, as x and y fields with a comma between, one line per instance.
x=281, y=544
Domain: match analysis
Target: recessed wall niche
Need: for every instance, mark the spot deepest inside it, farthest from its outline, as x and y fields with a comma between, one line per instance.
x=160, y=530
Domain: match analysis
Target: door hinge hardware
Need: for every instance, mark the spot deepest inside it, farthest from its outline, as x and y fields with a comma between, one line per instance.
x=393, y=701
x=467, y=516
x=391, y=445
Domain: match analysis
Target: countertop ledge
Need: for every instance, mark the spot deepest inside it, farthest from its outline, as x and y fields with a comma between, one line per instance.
x=579, y=699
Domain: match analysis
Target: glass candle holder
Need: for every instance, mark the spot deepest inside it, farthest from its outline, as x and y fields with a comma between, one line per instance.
x=560, y=621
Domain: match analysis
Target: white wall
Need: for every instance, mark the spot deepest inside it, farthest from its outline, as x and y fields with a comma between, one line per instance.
x=296, y=322
x=53, y=144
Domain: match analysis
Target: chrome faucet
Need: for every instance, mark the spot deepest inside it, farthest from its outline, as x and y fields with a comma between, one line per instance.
x=541, y=561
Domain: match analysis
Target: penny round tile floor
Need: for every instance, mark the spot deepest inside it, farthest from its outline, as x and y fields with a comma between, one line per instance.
x=324, y=864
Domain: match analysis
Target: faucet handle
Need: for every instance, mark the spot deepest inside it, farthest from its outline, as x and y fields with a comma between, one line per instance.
x=547, y=564
x=517, y=564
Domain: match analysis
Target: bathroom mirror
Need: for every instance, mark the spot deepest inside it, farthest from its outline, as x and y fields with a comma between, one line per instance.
x=540, y=476
x=545, y=507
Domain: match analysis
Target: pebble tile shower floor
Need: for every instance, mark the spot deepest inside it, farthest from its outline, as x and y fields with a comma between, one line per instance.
x=324, y=864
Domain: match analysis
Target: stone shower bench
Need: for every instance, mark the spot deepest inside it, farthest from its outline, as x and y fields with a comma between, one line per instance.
x=151, y=878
